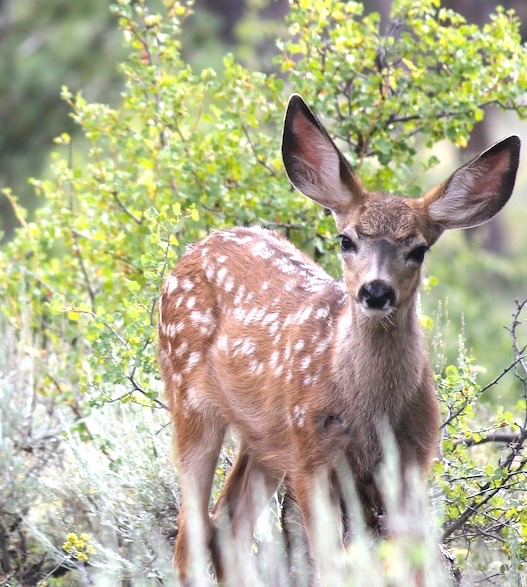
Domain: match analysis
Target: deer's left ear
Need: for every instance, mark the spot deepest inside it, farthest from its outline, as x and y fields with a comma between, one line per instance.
x=476, y=192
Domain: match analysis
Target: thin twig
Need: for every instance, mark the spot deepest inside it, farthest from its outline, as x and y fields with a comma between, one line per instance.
x=507, y=369
x=140, y=389
x=507, y=437
x=104, y=323
x=267, y=224
x=78, y=252
x=122, y=206
x=259, y=159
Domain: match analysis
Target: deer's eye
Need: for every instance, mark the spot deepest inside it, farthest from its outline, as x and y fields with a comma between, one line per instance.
x=346, y=244
x=417, y=255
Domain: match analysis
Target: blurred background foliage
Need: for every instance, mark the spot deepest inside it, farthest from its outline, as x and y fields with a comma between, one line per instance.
x=133, y=161
x=44, y=45
x=56, y=43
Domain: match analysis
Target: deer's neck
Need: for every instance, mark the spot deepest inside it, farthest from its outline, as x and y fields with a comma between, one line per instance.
x=381, y=359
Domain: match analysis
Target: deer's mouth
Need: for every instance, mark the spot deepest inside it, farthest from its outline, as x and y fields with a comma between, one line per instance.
x=376, y=313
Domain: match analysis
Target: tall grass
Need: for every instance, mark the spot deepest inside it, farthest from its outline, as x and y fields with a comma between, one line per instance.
x=109, y=477
x=94, y=501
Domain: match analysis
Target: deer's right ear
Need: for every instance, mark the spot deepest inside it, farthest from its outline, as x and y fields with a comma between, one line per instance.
x=313, y=162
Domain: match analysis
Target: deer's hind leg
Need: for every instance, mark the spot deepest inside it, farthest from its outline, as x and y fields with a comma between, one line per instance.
x=248, y=488
x=199, y=437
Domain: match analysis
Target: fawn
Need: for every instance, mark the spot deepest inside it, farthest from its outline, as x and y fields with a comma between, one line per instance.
x=254, y=335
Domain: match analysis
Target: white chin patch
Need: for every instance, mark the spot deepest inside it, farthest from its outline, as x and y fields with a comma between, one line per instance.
x=376, y=312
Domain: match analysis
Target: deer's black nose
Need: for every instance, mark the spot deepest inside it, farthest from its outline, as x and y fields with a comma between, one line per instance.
x=377, y=295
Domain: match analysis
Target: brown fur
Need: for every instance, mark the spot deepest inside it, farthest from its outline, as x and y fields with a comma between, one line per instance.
x=254, y=335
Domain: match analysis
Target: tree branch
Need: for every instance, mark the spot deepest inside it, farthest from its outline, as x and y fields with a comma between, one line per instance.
x=506, y=437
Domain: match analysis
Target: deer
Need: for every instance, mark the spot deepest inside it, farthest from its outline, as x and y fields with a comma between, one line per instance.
x=256, y=336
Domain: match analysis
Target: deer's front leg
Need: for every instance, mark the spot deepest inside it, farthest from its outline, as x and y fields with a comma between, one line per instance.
x=312, y=482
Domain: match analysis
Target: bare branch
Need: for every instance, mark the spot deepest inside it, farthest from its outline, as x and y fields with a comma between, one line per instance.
x=141, y=389
x=506, y=437
x=507, y=369
x=285, y=225
x=110, y=328
x=122, y=206
x=260, y=159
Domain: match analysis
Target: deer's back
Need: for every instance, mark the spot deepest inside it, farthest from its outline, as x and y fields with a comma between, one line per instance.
x=246, y=329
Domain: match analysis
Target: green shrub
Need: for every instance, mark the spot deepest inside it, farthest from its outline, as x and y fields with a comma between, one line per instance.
x=80, y=499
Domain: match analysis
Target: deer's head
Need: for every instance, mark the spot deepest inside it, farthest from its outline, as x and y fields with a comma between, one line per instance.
x=384, y=237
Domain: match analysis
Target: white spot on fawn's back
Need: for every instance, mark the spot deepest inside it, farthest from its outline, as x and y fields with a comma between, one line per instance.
x=309, y=379
x=209, y=271
x=270, y=318
x=299, y=416
x=223, y=343
x=220, y=276
x=273, y=328
x=171, y=284
x=170, y=330
x=229, y=284
x=262, y=250
x=303, y=315
x=322, y=312
x=299, y=345
x=248, y=347
x=239, y=314
x=202, y=317
x=284, y=265
x=255, y=315
x=173, y=329
x=193, y=360
x=181, y=349
x=204, y=320
x=256, y=367
x=314, y=285
x=239, y=295
x=322, y=346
